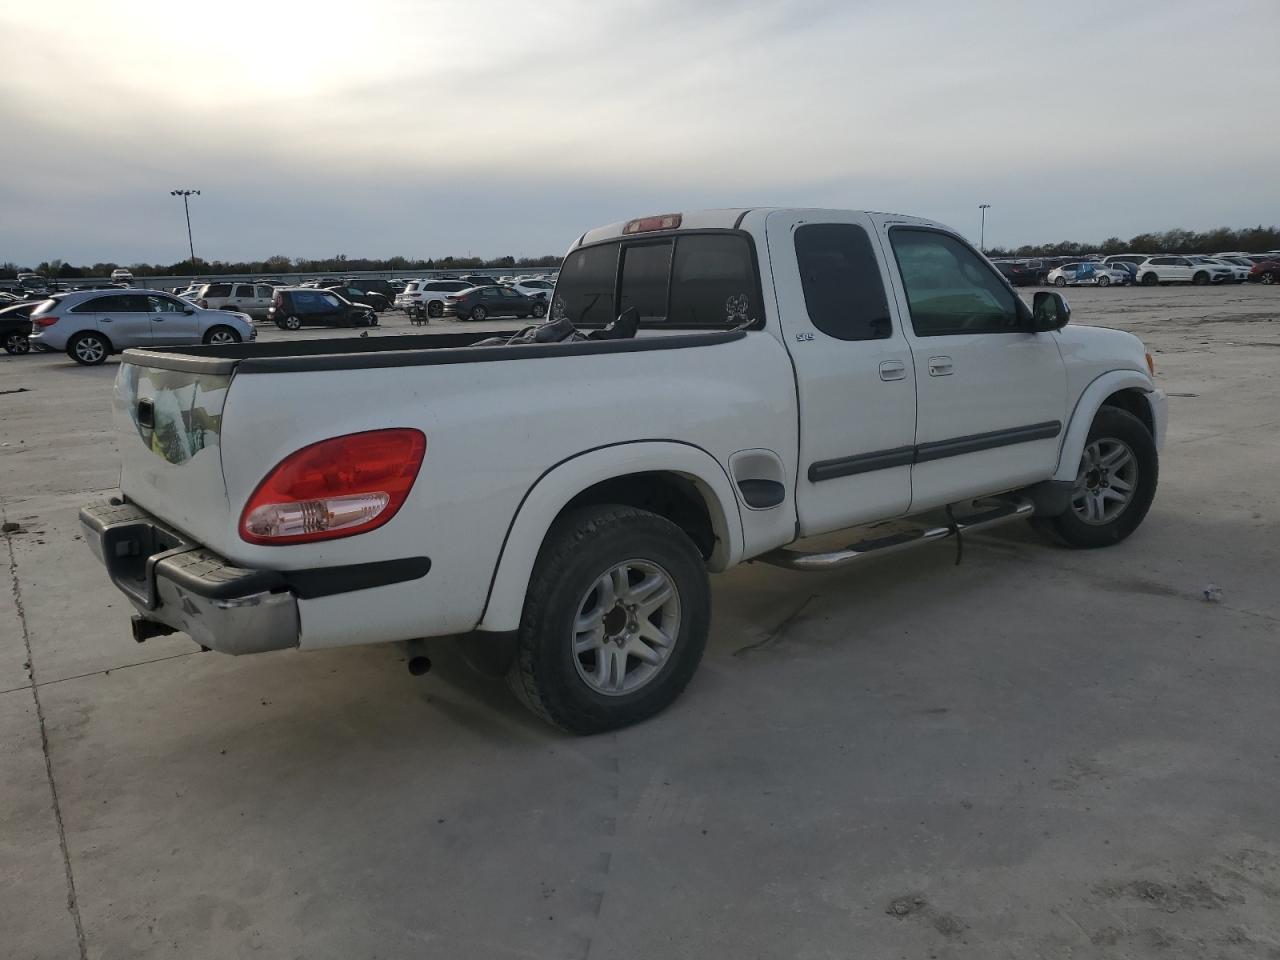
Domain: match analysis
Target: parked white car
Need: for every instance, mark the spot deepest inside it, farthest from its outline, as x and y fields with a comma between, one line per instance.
x=253, y=299
x=1239, y=272
x=1171, y=269
x=559, y=504
x=429, y=295
x=1090, y=273
x=92, y=324
x=121, y=275
x=533, y=287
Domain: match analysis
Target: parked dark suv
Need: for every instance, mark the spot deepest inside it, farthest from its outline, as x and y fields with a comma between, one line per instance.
x=295, y=307
x=356, y=293
x=481, y=302
x=15, y=326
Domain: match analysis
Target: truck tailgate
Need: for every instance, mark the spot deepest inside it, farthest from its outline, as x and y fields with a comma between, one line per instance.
x=169, y=427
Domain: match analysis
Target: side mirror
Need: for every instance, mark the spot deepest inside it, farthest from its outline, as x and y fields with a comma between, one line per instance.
x=1049, y=311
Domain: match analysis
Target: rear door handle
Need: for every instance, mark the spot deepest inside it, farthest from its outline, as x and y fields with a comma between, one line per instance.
x=940, y=367
x=106, y=319
x=893, y=370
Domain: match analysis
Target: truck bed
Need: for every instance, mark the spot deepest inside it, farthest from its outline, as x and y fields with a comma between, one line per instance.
x=359, y=353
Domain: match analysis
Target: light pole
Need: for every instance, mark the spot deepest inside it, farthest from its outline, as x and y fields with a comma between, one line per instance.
x=982, y=237
x=185, y=194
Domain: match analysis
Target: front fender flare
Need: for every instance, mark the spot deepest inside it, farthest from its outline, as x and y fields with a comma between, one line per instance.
x=1087, y=408
x=552, y=491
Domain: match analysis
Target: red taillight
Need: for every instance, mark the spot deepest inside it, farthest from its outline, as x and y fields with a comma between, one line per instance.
x=46, y=320
x=335, y=488
x=453, y=299
x=667, y=221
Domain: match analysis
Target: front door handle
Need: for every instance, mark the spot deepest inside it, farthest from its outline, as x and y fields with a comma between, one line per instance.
x=940, y=367
x=893, y=370
x=106, y=319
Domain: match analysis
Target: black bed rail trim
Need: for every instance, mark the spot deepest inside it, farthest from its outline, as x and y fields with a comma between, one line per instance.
x=937, y=450
x=356, y=353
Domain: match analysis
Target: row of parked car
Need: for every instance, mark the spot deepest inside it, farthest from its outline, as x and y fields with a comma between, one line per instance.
x=91, y=324
x=1130, y=268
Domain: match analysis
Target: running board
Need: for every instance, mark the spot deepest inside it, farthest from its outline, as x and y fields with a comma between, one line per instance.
x=1007, y=512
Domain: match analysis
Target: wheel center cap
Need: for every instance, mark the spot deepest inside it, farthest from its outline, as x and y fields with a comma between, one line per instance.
x=615, y=621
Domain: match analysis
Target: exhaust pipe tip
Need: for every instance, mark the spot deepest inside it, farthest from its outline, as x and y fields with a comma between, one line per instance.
x=419, y=665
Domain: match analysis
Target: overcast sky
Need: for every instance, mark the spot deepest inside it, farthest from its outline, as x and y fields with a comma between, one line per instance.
x=430, y=127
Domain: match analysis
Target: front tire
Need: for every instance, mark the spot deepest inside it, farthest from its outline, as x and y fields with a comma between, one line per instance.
x=1150, y=279
x=88, y=349
x=615, y=620
x=221, y=335
x=1200, y=279
x=1115, y=483
x=1104, y=281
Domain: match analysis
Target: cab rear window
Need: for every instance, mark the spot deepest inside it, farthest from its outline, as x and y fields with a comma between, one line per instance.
x=703, y=280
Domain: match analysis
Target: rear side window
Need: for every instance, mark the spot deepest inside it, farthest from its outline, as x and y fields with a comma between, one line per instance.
x=218, y=290
x=843, y=289
x=646, y=269
x=950, y=289
x=97, y=305
x=264, y=293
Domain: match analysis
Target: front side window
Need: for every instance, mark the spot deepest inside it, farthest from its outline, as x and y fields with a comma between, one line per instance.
x=330, y=301
x=950, y=289
x=264, y=293
x=165, y=305
x=843, y=289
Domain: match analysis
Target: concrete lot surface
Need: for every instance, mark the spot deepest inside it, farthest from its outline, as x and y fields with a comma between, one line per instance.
x=1037, y=753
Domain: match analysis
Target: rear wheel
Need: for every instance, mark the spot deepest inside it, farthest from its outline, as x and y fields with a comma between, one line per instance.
x=1060, y=282
x=222, y=335
x=1115, y=483
x=435, y=308
x=291, y=323
x=478, y=313
x=1268, y=278
x=88, y=348
x=17, y=343
x=539, y=311
x=1104, y=281
x=615, y=620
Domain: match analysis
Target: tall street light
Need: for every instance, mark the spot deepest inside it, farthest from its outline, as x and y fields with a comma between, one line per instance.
x=185, y=194
x=982, y=237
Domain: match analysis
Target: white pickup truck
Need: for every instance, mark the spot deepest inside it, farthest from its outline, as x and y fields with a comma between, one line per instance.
x=559, y=505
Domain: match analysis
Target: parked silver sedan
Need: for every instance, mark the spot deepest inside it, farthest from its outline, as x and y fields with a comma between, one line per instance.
x=91, y=324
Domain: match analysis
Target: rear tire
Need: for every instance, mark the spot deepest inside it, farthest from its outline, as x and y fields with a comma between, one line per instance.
x=580, y=607
x=16, y=344
x=1119, y=453
x=88, y=349
x=222, y=335
x=1268, y=278
x=539, y=311
x=478, y=313
x=435, y=309
x=291, y=323
x=1060, y=282
x=1104, y=281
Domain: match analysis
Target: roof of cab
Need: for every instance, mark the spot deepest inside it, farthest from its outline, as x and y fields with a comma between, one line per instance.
x=727, y=219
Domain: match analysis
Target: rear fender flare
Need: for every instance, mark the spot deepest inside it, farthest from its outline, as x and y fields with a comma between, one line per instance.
x=559, y=485
x=1087, y=408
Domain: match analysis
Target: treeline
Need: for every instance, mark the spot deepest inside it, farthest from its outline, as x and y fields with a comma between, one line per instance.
x=1257, y=239
x=341, y=264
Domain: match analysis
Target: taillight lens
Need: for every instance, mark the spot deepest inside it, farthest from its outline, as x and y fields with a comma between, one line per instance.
x=453, y=299
x=335, y=488
x=44, y=320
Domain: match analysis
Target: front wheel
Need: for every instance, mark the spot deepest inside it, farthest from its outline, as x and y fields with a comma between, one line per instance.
x=16, y=344
x=615, y=620
x=1200, y=279
x=1150, y=279
x=1115, y=483
x=222, y=335
x=1104, y=281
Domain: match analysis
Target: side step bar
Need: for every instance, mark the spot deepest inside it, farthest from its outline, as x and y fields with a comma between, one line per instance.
x=1006, y=512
